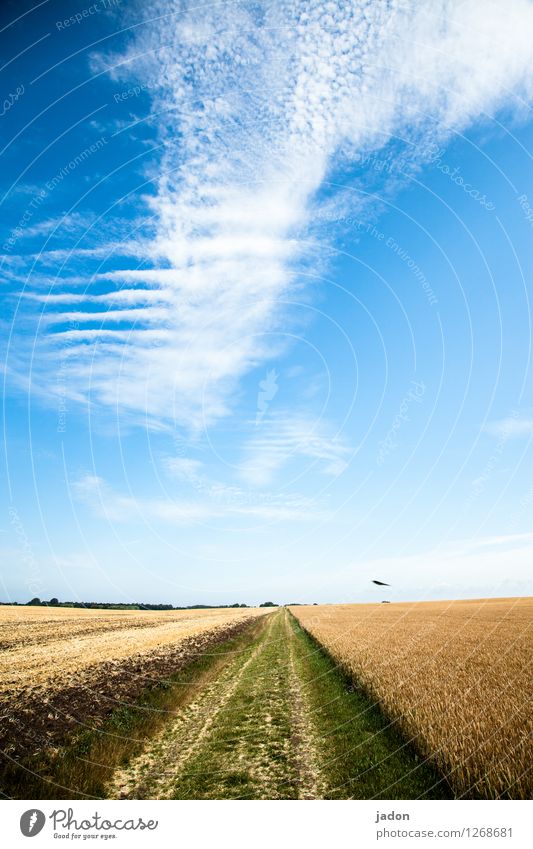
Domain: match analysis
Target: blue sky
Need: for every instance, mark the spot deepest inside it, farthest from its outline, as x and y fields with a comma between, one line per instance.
x=266, y=274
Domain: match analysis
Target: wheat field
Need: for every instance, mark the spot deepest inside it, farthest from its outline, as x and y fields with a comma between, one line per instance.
x=454, y=676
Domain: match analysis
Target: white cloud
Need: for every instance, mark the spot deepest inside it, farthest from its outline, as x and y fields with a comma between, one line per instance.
x=152, y=315
x=286, y=437
x=184, y=468
x=209, y=503
x=124, y=297
x=59, y=225
x=255, y=109
x=510, y=428
x=497, y=565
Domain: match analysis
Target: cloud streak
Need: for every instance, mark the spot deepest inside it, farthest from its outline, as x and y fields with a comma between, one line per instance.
x=255, y=111
x=510, y=428
x=463, y=568
x=285, y=438
x=211, y=503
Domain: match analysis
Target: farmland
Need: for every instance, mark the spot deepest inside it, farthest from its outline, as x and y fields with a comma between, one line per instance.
x=45, y=646
x=454, y=677
x=277, y=721
x=62, y=669
x=344, y=702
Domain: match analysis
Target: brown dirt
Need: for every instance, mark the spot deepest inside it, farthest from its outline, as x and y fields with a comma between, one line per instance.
x=44, y=646
x=250, y=722
x=42, y=716
x=155, y=772
x=310, y=781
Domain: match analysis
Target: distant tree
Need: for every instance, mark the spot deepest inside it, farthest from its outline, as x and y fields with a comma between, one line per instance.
x=54, y=602
x=268, y=604
x=35, y=601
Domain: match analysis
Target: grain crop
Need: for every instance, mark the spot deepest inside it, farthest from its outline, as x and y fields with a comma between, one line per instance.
x=44, y=645
x=62, y=669
x=454, y=676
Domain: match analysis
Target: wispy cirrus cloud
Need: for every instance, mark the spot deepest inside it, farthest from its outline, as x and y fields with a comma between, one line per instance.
x=286, y=437
x=254, y=111
x=72, y=223
x=510, y=428
x=474, y=567
x=209, y=503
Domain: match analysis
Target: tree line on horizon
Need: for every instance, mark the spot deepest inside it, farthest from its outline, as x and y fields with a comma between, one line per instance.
x=105, y=605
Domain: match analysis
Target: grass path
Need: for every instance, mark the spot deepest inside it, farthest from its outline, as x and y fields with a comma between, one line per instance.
x=275, y=720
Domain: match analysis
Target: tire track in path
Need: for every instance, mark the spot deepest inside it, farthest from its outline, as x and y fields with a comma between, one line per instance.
x=276, y=720
x=247, y=734
x=153, y=773
x=311, y=783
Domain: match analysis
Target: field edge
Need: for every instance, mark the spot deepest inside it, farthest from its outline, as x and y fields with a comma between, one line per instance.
x=86, y=757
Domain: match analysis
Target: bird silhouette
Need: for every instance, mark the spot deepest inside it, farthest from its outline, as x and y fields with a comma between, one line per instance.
x=380, y=583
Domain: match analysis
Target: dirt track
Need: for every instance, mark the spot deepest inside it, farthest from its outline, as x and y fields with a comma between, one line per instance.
x=249, y=710
x=246, y=734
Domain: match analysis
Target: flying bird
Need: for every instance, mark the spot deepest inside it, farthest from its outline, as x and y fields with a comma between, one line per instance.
x=380, y=583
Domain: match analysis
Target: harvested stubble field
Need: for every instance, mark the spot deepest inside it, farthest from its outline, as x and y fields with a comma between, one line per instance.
x=63, y=668
x=247, y=709
x=455, y=677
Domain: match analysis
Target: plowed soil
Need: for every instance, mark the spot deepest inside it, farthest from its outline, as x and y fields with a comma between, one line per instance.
x=65, y=669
